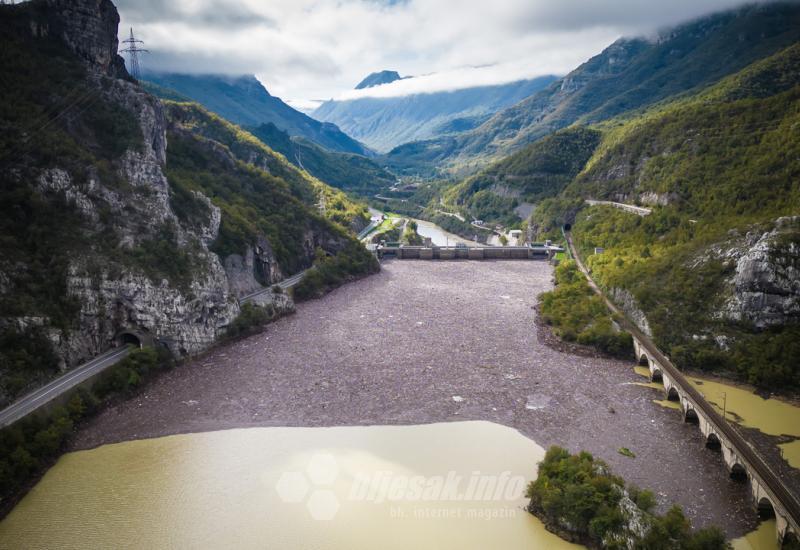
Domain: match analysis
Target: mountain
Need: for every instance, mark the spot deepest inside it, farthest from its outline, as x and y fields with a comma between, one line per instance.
x=120, y=212
x=712, y=272
x=243, y=100
x=505, y=191
x=346, y=171
x=386, y=122
x=630, y=74
x=376, y=79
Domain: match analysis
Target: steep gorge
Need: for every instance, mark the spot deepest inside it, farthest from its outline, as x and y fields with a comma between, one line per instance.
x=109, y=218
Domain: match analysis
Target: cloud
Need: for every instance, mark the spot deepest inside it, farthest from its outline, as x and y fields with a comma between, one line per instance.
x=317, y=49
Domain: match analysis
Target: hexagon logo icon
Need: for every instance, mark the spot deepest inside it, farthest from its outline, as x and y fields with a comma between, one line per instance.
x=306, y=487
x=292, y=487
x=322, y=469
x=323, y=505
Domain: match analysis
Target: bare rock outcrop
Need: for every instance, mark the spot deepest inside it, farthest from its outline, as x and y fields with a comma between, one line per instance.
x=766, y=284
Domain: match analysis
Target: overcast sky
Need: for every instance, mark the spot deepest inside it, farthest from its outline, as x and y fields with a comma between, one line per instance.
x=319, y=49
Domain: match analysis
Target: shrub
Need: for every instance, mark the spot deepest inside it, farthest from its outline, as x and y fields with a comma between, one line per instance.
x=331, y=271
x=579, y=494
x=250, y=319
x=577, y=314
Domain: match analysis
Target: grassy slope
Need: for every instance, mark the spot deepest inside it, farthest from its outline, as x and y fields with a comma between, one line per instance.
x=248, y=148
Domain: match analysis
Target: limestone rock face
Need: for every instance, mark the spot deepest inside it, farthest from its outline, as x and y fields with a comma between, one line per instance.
x=625, y=300
x=279, y=303
x=127, y=208
x=185, y=320
x=89, y=28
x=258, y=267
x=766, y=286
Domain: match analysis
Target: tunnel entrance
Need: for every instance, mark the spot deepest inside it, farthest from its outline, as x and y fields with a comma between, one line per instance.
x=129, y=339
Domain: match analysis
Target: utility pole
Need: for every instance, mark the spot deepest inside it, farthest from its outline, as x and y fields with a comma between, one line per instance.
x=133, y=50
x=724, y=404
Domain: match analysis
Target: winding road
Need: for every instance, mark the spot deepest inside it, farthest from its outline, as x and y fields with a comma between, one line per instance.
x=47, y=393
x=284, y=284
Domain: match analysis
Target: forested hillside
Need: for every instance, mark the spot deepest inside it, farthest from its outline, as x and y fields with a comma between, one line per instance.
x=243, y=100
x=346, y=171
x=714, y=272
x=540, y=170
x=630, y=74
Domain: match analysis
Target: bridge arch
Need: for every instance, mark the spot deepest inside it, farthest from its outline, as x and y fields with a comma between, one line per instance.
x=790, y=539
x=738, y=472
x=643, y=361
x=713, y=442
x=690, y=416
x=765, y=508
x=656, y=375
x=672, y=394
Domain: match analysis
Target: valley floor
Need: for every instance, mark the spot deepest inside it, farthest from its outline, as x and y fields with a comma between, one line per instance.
x=429, y=342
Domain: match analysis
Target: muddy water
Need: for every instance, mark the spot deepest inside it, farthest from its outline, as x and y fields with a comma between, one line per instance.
x=290, y=488
x=762, y=538
x=740, y=404
x=439, y=236
x=426, y=342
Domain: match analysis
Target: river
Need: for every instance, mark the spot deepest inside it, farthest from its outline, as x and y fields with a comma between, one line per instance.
x=438, y=236
x=420, y=343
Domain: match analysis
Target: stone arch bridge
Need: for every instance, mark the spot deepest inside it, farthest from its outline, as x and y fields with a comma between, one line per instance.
x=770, y=495
x=743, y=463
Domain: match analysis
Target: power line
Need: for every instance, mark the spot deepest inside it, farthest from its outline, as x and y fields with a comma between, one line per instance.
x=133, y=50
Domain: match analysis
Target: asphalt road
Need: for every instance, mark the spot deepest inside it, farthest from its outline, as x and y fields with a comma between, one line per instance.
x=47, y=393
x=284, y=284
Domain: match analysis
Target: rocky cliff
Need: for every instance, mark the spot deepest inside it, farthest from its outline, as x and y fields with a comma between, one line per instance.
x=129, y=202
x=99, y=237
x=87, y=27
x=765, y=289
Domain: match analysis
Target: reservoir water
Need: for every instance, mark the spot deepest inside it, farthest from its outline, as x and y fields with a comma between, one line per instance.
x=303, y=488
x=417, y=350
x=740, y=404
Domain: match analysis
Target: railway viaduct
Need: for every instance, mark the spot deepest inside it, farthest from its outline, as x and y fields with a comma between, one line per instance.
x=770, y=494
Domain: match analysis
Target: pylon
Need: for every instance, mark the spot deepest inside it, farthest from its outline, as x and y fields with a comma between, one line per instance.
x=133, y=51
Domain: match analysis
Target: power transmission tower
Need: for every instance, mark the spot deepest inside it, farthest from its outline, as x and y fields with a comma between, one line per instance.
x=133, y=51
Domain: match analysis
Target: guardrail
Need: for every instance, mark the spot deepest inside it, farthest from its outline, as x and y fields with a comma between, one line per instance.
x=284, y=284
